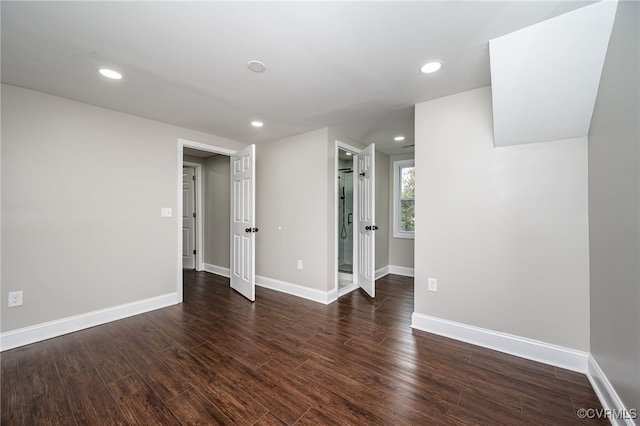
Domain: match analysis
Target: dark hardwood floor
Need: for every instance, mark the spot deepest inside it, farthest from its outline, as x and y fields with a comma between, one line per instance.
x=219, y=359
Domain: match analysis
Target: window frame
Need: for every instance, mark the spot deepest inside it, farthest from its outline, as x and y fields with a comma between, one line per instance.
x=398, y=165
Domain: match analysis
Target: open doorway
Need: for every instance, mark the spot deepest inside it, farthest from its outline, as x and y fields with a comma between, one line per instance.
x=191, y=219
x=355, y=217
x=345, y=204
x=239, y=212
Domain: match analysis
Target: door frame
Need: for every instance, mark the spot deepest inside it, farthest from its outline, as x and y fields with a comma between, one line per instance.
x=199, y=196
x=184, y=143
x=339, y=145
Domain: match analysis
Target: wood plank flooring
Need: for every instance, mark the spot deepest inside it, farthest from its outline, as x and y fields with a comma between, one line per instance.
x=219, y=359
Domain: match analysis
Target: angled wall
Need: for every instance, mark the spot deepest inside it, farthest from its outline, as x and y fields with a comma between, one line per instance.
x=503, y=230
x=614, y=211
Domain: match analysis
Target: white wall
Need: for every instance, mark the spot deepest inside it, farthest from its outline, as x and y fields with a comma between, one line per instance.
x=504, y=230
x=82, y=189
x=614, y=210
x=292, y=210
x=382, y=210
x=217, y=207
x=401, y=250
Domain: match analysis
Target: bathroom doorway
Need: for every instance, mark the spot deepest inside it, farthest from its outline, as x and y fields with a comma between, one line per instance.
x=354, y=237
x=345, y=237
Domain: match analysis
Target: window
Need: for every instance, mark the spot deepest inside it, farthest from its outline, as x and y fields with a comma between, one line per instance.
x=404, y=191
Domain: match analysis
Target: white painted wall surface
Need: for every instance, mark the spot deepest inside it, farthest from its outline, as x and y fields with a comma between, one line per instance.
x=291, y=210
x=82, y=189
x=504, y=230
x=382, y=211
x=614, y=210
x=217, y=206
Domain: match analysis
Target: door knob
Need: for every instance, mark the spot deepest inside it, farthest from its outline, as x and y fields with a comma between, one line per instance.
x=249, y=230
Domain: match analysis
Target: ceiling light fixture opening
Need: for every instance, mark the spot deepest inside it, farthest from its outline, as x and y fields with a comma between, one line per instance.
x=257, y=123
x=398, y=138
x=431, y=67
x=256, y=66
x=348, y=153
x=114, y=75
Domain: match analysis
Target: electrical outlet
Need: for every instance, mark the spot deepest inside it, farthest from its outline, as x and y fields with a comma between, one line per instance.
x=432, y=284
x=300, y=264
x=15, y=299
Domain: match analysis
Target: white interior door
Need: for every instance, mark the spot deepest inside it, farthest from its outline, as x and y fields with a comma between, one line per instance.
x=188, y=218
x=243, y=222
x=366, y=220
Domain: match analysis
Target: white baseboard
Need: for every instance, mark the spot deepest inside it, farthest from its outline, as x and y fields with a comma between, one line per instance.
x=297, y=290
x=381, y=272
x=47, y=330
x=608, y=396
x=401, y=270
x=348, y=289
x=345, y=276
x=396, y=270
x=281, y=286
x=218, y=270
x=534, y=350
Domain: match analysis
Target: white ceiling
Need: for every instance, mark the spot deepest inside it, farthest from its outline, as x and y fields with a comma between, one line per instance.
x=349, y=65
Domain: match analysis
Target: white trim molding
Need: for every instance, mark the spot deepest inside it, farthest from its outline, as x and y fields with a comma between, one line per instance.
x=324, y=297
x=401, y=270
x=396, y=270
x=382, y=272
x=215, y=269
x=534, y=350
x=608, y=396
x=47, y=330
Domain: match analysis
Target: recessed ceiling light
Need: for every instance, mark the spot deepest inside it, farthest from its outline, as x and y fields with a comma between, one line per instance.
x=430, y=67
x=256, y=66
x=257, y=123
x=114, y=75
x=398, y=138
x=348, y=153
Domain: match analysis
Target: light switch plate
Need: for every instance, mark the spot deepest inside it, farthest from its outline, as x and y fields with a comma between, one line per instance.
x=15, y=299
x=166, y=212
x=432, y=284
